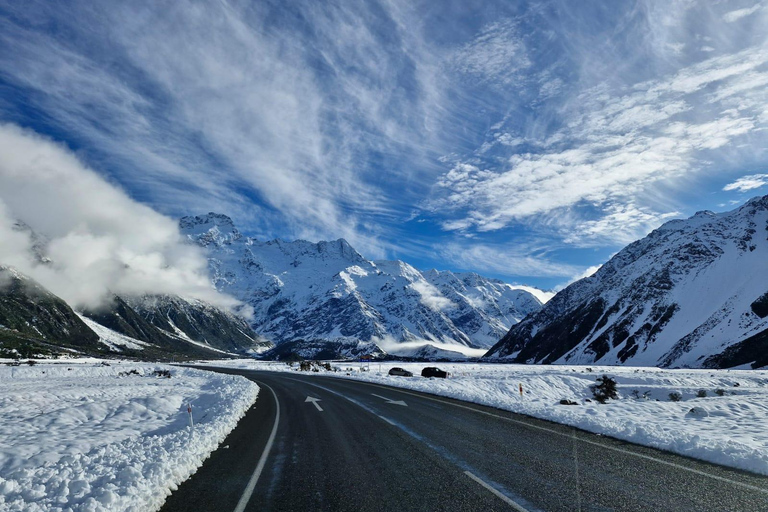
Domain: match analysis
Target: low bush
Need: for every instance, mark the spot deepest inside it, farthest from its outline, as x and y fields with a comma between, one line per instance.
x=675, y=396
x=605, y=389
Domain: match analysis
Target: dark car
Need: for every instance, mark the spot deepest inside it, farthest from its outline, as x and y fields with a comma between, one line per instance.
x=431, y=371
x=400, y=372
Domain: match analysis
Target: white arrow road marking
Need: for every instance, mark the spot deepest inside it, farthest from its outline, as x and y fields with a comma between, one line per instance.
x=390, y=401
x=314, y=402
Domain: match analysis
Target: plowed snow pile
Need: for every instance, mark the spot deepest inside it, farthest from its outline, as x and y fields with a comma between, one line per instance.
x=87, y=437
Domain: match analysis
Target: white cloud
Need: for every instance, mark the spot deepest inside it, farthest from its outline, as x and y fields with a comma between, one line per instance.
x=496, y=54
x=587, y=272
x=746, y=183
x=99, y=240
x=211, y=105
x=736, y=15
x=615, y=147
x=543, y=295
x=431, y=296
x=619, y=223
x=509, y=260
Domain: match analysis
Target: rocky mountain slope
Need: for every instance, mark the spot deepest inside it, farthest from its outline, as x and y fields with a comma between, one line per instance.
x=693, y=293
x=176, y=326
x=327, y=292
x=35, y=321
x=32, y=318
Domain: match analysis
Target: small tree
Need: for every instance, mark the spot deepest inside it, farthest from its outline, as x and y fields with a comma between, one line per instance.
x=605, y=389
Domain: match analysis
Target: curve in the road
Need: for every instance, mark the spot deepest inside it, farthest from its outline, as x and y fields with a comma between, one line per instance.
x=372, y=447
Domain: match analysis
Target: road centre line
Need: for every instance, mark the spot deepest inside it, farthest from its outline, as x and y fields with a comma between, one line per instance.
x=587, y=441
x=262, y=460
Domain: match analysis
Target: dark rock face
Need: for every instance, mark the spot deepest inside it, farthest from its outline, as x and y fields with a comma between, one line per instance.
x=169, y=323
x=198, y=321
x=30, y=314
x=691, y=293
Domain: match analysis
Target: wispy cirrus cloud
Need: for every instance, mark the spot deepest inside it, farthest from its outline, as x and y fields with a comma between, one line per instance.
x=508, y=259
x=497, y=54
x=231, y=107
x=403, y=127
x=736, y=15
x=615, y=146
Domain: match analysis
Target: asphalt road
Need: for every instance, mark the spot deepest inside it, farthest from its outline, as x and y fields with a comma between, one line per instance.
x=317, y=443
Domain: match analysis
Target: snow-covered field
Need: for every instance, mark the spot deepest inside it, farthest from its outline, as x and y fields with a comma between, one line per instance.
x=728, y=429
x=80, y=436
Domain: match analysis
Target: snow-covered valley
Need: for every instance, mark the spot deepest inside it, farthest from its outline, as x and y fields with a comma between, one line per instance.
x=83, y=436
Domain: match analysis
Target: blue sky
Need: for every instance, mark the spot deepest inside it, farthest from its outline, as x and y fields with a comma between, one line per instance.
x=523, y=140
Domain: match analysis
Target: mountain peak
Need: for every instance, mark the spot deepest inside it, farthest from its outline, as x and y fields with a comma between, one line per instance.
x=207, y=221
x=209, y=228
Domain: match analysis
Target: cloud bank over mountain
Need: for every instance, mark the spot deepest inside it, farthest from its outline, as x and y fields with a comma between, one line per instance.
x=90, y=238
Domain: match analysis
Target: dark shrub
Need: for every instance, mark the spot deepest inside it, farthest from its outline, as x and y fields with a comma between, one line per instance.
x=605, y=389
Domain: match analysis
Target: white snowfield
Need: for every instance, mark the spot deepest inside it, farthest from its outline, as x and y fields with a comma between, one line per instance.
x=80, y=436
x=730, y=429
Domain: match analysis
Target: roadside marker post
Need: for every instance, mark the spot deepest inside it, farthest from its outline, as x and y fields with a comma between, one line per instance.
x=521, y=389
x=189, y=411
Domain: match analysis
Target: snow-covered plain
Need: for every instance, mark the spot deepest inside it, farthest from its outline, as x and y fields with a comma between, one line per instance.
x=78, y=436
x=728, y=429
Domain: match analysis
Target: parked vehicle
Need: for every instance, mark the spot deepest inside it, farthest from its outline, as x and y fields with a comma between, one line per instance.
x=431, y=371
x=400, y=372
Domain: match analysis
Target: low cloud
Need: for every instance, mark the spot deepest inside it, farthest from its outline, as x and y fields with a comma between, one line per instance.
x=99, y=240
x=431, y=296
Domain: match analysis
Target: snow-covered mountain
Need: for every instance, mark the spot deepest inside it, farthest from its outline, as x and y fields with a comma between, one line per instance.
x=328, y=292
x=692, y=293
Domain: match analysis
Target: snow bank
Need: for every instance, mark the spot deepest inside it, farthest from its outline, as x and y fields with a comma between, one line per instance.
x=728, y=429
x=87, y=437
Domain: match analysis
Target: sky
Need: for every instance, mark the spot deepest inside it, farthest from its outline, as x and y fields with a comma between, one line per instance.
x=527, y=141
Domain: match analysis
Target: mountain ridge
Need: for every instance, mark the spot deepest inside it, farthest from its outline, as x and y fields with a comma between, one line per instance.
x=325, y=291
x=681, y=296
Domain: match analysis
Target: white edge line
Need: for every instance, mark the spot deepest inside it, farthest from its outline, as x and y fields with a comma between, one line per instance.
x=497, y=493
x=262, y=461
x=545, y=429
